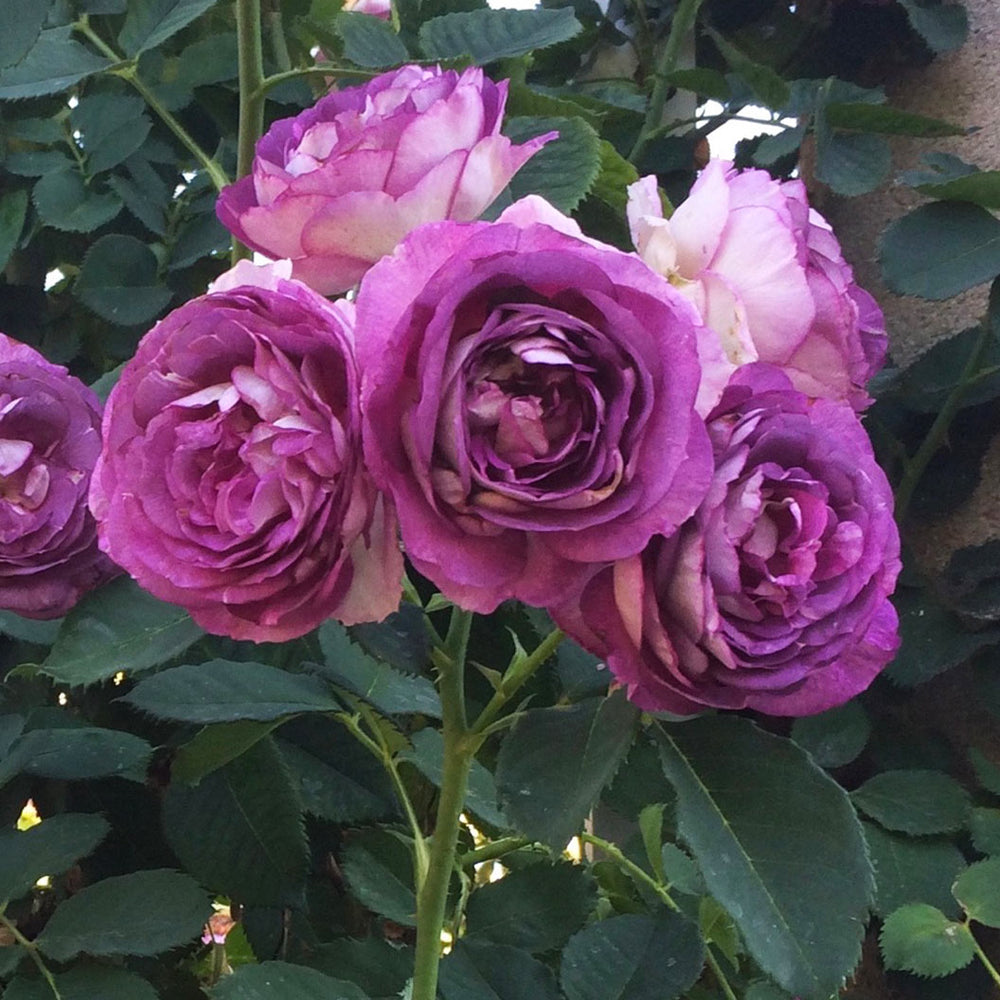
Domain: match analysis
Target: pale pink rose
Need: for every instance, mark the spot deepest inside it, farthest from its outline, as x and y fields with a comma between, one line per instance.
x=338, y=186
x=766, y=273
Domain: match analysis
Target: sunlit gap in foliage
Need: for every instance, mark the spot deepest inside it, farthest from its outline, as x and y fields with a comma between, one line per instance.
x=723, y=140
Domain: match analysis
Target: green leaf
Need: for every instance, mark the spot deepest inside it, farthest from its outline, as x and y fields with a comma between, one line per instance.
x=718, y=928
x=761, y=989
x=151, y=22
x=987, y=773
x=779, y=847
x=215, y=746
x=774, y=147
x=223, y=691
x=46, y=849
x=564, y=169
x=680, y=873
x=240, y=831
x=933, y=639
x=118, y=281
x=632, y=957
x=10, y=959
x=198, y=238
x=401, y=640
x=555, y=762
x=140, y=202
x=706, y=82
x=981, y=187
x=337, y=779
x=915, y=802
x=86, y=982
x=920, y=939
x=379, y=870
x=112, y=127
x=943, y=26
x=615, y=175
x=535, y=908
x=54, y=63
x=488, y=35
x=885, y=120
x=851, y=163
x=369, y=41
x=767, y=86
x=391, y=692
x=28, y=629
x=378, y=967
x=835, y=737
x=651, y=830
x=282, y=981
x=482, y=970
x=481, y=796
x=940, y=249
x=20, y=27
x=984, y=827
x=911, y=870
x=65, y=202
x=118, y=627
x=77, y=754
x=978, y=890
x=143, y=913
x=13, y=209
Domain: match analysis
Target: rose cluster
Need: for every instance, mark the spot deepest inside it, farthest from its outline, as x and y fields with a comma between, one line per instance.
x=663, y=448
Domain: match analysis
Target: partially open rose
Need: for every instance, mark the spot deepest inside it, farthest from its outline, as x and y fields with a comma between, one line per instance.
x=775, y=596
x=49, y=441
x=338, y=186
x=766, y=273
x=528, y=404
x=231, y=481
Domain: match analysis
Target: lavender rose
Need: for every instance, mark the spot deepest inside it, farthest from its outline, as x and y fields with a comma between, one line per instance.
x=231, y=480
x=528, y=404
x=338, y=186
x=49, y=441
x=775, y=596
x=768, y=277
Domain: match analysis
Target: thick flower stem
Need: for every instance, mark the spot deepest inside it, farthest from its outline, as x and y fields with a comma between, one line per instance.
x=681, y=26
x=459, y=749
x=251, y=70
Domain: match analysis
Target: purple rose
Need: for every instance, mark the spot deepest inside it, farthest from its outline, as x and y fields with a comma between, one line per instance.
x=766, y=273
x=231, y=480
x=775, y=596
x=338, y=186
x=528, y=404
x=49, y=441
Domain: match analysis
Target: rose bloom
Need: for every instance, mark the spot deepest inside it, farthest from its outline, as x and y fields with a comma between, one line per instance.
x=231, y=480
x=338, y=186
x=528, y=403
x=775, y=596
x=49, y=441
x=766, y=273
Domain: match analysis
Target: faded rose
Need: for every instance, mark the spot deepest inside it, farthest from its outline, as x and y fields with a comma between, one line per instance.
x=775, y=596
x=338, y=186
x=768, y=277
x=231, y=480
x=49, y=441
x=528, y=404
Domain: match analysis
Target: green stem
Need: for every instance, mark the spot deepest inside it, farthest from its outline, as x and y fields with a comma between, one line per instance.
x=127, y=71
x=681, y=26
x=379, y=749
x=640, y=875
x=459, y=748
x=917, y=465
x=493, y=850
x=32, y=950
x=344, y=72
x=519, y=672
x=987, y=964
x=251, y=76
